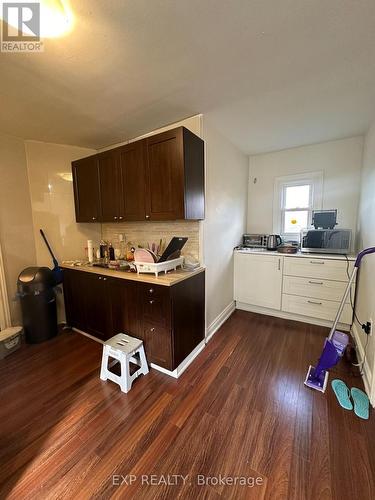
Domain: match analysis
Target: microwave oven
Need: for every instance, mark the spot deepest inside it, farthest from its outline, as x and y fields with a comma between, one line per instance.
x=336, y=241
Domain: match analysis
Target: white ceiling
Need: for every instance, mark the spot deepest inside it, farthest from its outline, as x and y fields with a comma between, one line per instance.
x=270, y=74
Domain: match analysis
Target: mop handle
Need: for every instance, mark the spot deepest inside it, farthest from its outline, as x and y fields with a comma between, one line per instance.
x=342, y=303
x=357, y=263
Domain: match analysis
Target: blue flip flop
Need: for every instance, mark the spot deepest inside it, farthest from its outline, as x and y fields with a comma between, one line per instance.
x=342, y=393
x=361, y=403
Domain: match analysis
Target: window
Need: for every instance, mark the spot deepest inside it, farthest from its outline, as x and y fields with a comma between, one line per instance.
x=295, y=198
x=296, y=207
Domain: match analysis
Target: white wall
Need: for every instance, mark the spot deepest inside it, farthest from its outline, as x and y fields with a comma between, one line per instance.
x=52, y=202
x=366, y=238
x=340, y=162
x=49, y=168
x=226, y=201
x=16, y=232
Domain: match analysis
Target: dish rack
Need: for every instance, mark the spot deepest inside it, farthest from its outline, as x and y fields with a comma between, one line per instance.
x=156, y=268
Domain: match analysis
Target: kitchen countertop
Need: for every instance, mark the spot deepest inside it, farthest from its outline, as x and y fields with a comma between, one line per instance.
x=169, y=279
x=257, y=251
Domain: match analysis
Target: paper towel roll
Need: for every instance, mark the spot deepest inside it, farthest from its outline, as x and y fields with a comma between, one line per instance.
x=90, y=251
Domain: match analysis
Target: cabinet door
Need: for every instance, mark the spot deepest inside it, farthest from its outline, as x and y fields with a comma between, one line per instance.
x=97, y=307
x=165, y=176
x=86, y=189
x=258, y=280
x=74, y=297
x=110, y=188
x=123, y=298
x=157, y=342
x=132, y=166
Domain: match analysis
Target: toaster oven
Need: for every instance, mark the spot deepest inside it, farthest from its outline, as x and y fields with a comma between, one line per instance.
x=254, y=240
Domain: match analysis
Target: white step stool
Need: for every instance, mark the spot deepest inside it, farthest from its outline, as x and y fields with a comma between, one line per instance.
x=123, y=348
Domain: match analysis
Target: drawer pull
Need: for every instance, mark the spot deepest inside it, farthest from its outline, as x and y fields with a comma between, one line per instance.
x=104, y=279
x=316, y=282
x=100, y=277
x=151, y=290
x=151, y=301
x=316, y=303
x=152, y=329
x=317, y=262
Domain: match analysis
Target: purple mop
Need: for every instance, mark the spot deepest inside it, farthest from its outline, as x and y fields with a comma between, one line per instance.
x=336, y=342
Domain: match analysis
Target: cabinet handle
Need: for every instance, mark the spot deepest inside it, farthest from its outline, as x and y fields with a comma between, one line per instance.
x=152, y=329
x=151, y=290
x=94, y=218
x=313, y=302
x=121, y=217
x=104, y=279
x=279, y=265
x=100, y=277
x=151, y=301
x=316, y=282
x=147, y=216
x=317, y=262
x=115, y=217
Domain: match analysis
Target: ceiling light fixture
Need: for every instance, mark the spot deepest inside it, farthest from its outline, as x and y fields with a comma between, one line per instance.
x=56, y=17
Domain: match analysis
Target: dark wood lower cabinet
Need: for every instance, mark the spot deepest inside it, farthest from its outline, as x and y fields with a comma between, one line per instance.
x=169, y=319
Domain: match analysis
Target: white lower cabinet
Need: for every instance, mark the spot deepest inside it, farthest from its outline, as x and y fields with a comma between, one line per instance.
x=316, y=308
x=258, y=280
x=315, y=288
x=305, y=288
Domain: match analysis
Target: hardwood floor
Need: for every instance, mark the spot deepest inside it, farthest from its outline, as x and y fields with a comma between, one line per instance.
x=240, y=409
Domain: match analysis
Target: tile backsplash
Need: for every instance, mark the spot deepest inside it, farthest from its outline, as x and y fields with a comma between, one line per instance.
x=141, y=233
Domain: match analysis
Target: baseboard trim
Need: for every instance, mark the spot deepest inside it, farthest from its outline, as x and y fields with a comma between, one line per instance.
x=220, y=320
x=286, y=315
x=175, y=373
x=185, y=363
x=87, y=335
x=367, y=375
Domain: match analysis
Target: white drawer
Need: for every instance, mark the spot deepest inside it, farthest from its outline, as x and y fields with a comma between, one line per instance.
x=316, y=308
x=316, y=288
x=311, y=267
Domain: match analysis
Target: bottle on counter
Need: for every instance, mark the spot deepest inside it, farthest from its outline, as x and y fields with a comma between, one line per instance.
x=103, y=249
x=111, y=252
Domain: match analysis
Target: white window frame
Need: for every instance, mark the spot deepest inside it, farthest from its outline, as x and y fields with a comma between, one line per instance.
x=315, y=180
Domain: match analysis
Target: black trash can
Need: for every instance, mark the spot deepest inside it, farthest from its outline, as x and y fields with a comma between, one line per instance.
x=38, y=303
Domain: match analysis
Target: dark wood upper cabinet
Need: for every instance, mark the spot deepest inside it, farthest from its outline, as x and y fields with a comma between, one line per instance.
x=175, y=176
x=86, y=189
x=165, y=176
x=131, y=160
x=110, y=185
x=158, y=178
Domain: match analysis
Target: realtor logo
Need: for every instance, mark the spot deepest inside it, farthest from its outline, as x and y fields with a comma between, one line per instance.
x=21, y=27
